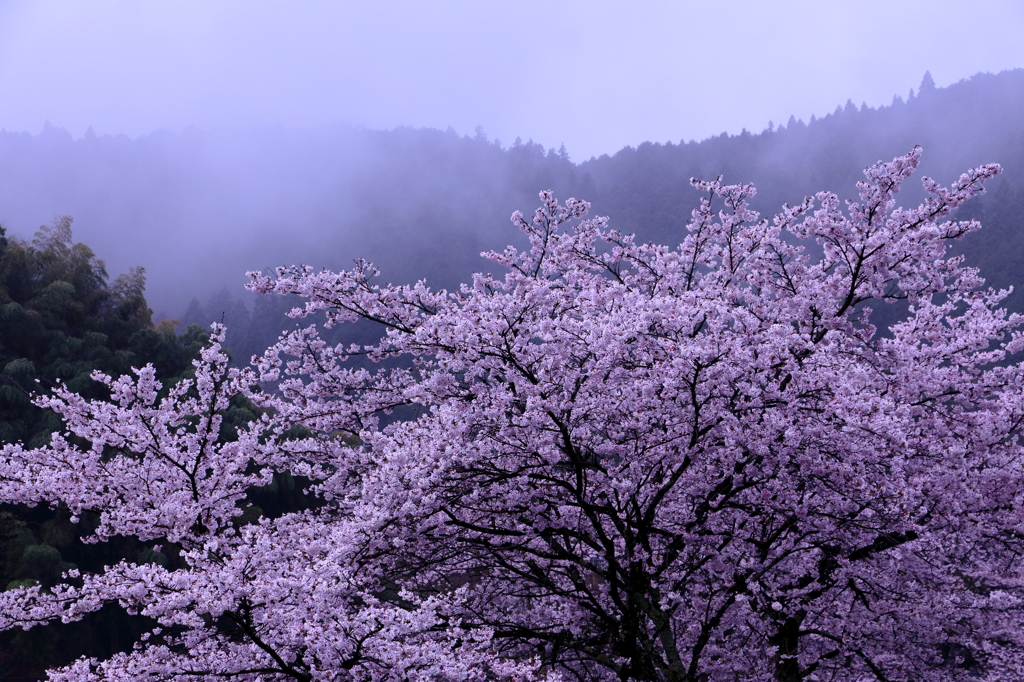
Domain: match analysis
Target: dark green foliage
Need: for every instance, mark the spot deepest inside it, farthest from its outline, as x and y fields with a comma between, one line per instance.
x=36, y=547
x=59, y=322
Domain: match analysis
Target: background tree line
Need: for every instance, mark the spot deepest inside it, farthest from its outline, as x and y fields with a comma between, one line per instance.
x=199, y=208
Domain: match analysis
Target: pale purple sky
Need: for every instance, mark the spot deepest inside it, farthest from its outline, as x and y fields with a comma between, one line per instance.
x=593, y=75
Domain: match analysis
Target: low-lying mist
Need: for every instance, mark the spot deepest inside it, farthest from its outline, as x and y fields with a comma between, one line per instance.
x=198, y=208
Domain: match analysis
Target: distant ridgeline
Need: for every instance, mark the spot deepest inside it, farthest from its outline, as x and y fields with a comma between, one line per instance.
x=199, y=208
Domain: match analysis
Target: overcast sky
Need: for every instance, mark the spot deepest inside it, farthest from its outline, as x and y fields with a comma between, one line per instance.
x=593, y=75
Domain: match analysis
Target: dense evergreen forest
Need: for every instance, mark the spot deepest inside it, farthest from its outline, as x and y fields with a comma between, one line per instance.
x=197, y=209
x=61, y=319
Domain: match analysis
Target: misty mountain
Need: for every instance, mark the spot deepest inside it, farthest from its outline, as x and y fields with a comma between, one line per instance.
x=199, y=208
x=976, y=121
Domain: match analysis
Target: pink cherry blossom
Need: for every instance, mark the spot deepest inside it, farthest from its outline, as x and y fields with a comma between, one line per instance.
x=622, y=461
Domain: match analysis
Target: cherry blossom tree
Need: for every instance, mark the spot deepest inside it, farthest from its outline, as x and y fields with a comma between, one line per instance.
x=617, y=461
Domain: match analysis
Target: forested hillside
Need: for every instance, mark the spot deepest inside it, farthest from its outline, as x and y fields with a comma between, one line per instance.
x=63, y=320
x=199, y=208
x=976, y=121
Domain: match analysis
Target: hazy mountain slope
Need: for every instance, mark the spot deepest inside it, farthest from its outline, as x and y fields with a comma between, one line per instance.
x=976, y=121
x=199, y=208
